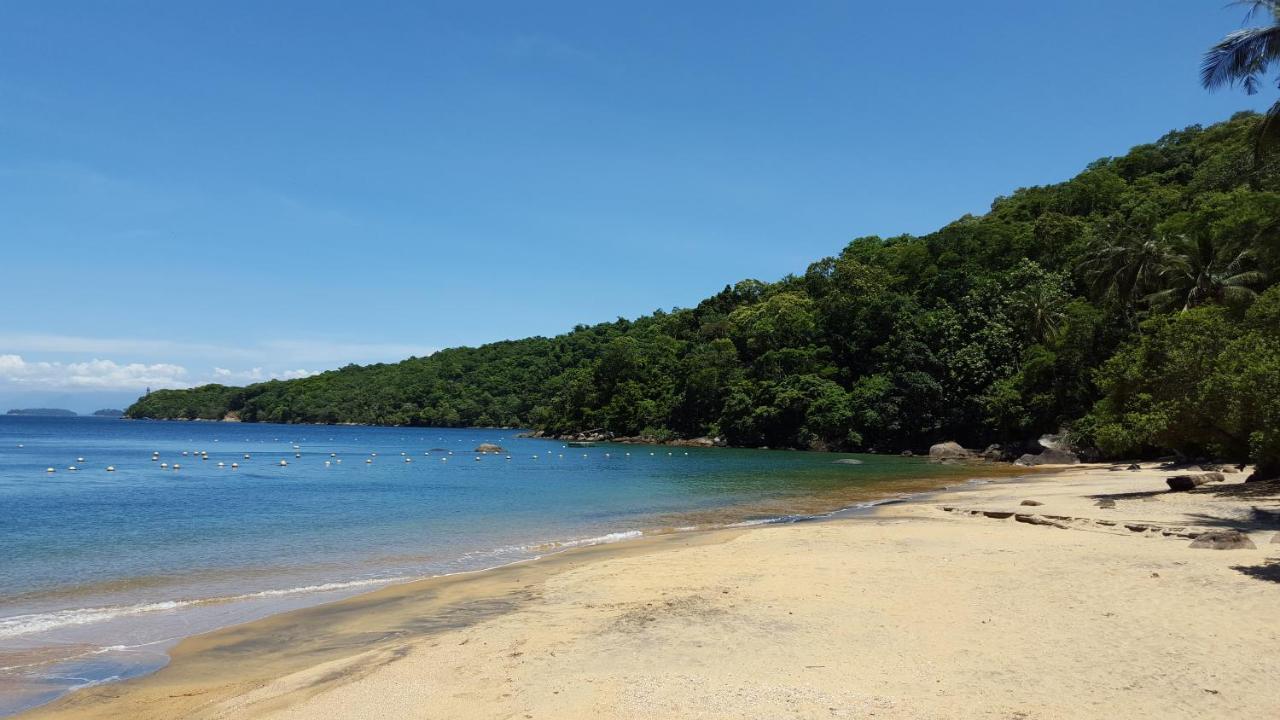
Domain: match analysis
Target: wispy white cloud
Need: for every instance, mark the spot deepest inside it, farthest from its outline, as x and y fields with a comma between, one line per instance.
x=252, y=375
x=284, y=352
x=91, y=375
x=17, y=372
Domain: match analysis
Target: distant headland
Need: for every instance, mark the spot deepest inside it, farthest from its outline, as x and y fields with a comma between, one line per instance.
x=63, y=412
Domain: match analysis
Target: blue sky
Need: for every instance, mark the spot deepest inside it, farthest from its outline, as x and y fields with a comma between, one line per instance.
x=195, y=190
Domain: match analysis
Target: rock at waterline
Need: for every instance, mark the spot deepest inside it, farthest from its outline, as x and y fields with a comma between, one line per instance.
x=847, y=461
x=948, y=451
x=1032, y=503
x=489, y=448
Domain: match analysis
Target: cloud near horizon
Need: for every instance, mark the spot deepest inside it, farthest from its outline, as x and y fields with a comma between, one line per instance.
x=97, y=374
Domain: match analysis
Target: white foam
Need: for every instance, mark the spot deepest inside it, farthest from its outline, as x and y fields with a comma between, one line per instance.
x=42, y=622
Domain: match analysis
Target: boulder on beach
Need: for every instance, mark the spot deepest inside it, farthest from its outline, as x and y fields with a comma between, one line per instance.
x=1223, y=540
x=1049, y=456
x=1031, y=503
x=489, y=448
x=950, y=450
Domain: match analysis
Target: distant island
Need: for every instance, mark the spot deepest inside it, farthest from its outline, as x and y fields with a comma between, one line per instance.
x=108, y=412
x=42, y=412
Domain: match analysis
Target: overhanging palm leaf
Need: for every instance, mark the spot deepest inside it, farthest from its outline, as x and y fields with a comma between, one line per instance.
x=1242, y=59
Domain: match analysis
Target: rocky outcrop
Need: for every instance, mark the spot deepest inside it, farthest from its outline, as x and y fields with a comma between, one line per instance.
x=950, y=450
x=1050, y=456
x=489, y=448
x=1223, y=540
x=1182, y=483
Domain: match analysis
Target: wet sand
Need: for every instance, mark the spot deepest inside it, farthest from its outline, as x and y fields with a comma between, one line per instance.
x=950, y=606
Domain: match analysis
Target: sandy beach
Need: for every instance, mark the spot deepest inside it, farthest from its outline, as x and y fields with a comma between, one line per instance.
x=963, y=604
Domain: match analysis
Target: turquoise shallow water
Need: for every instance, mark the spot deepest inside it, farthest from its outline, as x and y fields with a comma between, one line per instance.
x=103, y=571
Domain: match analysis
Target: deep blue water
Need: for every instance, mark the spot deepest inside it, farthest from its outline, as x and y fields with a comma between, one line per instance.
x=101, y=571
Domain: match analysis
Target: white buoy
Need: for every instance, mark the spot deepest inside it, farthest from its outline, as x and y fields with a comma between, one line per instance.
x=408, y=459
x=21, y=445
x=111, y=468
x=477, y=458
x=283, y=463
x=222, y=464
x=508, y=457
x=49, y=470
x=154, y=458
x=164, y=466
x=176, y=466
x=368, y=461
x=184, y=453
x=72, y=467
x=79, y=459
x=235, y=465
x=297, y=455
x=246, y=456
x=327, y=463
x=339, y=460
x=333, y=454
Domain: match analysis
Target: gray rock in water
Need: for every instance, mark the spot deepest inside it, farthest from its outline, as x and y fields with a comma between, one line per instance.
x=1223, y=540
x=1049, y=457
x=1032, y=503
x=489, y=448
x=948, y=451
x=847, y=461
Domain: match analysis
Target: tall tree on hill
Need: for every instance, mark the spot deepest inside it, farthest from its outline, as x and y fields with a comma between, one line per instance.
x=1242, y=59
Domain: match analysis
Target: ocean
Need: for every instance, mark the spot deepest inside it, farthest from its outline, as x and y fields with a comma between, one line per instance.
x=202, y=525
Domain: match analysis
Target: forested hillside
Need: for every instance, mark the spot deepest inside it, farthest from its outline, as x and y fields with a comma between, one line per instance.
x=1129, y=303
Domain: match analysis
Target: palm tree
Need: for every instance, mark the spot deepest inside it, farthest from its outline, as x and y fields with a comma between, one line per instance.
x=1124, y=266
x=1198, y=273
x=1242, y=58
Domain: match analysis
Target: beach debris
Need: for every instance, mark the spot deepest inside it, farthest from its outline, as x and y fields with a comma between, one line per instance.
x=490, y=448
x=1223, y=540
x=1031, y=503
x=997, y=514
x=1106, y=504
x=1181, y=483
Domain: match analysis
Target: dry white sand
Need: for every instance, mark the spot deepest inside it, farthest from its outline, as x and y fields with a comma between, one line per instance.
x=915, y=612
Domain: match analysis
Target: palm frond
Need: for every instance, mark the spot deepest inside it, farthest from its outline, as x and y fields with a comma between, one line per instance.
x=1242, y=279
x=1237, y=295
x=1267, y=134
x=1239, y=56
x=1255, y=8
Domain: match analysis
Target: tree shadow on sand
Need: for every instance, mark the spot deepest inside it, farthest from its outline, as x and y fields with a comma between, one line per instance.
x=1268, y=571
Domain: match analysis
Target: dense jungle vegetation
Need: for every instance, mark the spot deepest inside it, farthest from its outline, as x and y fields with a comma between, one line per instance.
x=1132, y=304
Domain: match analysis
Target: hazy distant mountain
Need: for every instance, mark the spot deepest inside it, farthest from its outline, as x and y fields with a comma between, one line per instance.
x=108, y=412
x=44, y=412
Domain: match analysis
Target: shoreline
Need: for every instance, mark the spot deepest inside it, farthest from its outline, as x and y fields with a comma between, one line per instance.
x=90, y=667
x=346, y=647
